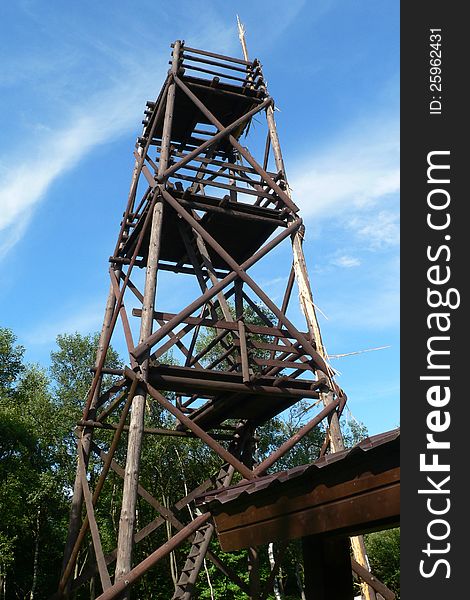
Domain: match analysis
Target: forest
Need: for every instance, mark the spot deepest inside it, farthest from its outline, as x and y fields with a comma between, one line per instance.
x=39, y=411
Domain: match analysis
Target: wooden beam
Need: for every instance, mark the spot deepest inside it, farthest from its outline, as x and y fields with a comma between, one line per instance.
x=134, y=443
x=340, y=504
x=122, y=585
x=373, y=582
x=204, y=436
x=103, y=571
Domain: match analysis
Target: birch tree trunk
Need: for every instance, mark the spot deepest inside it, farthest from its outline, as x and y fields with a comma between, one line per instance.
x=272, y=562
x=36, y=557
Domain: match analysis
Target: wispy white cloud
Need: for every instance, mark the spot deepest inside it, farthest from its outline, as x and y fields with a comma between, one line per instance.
x=13, y=234
x=105, y=102
x=378, y=230
x=373, y=303
x=25, y=182
x=345, y=261
x=86, y=319
x=358, y=170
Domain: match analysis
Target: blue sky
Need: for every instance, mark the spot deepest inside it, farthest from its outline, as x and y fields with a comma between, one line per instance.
x=74, y=82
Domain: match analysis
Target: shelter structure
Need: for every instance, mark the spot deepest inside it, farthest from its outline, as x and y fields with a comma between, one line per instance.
x=201, y=208
x=342, y=494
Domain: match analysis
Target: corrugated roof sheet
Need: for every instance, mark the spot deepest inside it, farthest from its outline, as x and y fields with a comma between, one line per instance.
x=277, y=479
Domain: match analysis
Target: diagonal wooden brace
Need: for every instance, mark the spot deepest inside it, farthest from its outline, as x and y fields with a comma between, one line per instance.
x=143, y=347
x=186, y=421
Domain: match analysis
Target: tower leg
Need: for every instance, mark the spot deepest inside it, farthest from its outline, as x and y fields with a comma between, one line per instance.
x=85, y=442
x=136, y=427
x=308, y=309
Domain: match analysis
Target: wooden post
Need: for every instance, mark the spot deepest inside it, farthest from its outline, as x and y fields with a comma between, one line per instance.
x=253, y=573
x=305, y=290
x=136, y=426
x=360, y=555
x=85, y=442
x=308, y=309
x=327, y=568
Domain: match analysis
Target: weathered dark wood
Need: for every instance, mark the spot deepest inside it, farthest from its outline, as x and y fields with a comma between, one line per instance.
x=174, y=379
x=137, y=572
x=193, y=133
x=224, y=454
x=246, y=155
x=232, y=59
x=356, y=492
x=99, y=485
x=220, y=324
x=224, y=132
x=327, y=568
x=319, y=360
x=85, y=443
x=156, y=431
x=183, y=314
x=315, y=514
x=243, y=352
x=123, y=314
x=103, y=571
x=138, y=169
x=129, y=496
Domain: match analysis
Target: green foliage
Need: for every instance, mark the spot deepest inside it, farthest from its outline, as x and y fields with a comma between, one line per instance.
x=11, y=360
x=38, y=413
x=383, y=550
x=70, y=377
x=70, y=368
x=32, y=502
x=353, y=432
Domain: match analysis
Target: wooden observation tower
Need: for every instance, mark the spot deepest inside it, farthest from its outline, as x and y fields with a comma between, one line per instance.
x=202, y=207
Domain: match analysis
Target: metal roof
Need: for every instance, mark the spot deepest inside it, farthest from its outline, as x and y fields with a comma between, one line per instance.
x=277, y=479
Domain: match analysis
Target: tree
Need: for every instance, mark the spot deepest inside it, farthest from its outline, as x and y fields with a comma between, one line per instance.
x=32, y=502
x=11, y=360
x=38, y=413
x=71, y=376
x=383, y=550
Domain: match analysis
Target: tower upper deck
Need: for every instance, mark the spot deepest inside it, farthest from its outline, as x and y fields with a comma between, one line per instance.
x=238, y=201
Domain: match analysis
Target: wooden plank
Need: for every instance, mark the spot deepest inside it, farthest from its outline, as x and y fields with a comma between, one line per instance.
x=243, y=352
x=220, y=324
x=156, y=431
x=158, y=335
x=299, y=495
x=285, y=349
x=204, y=436
x=366, y=512
x=284, y=364
x=103, y=571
